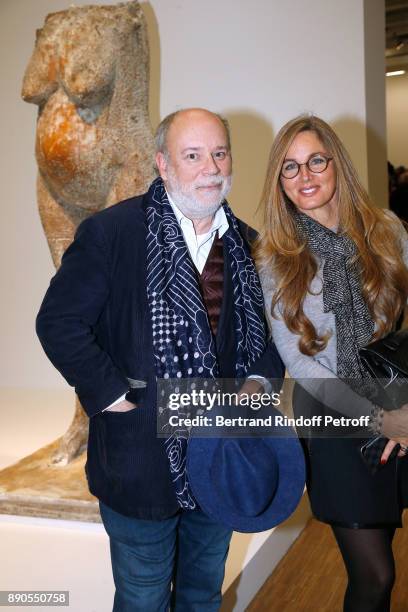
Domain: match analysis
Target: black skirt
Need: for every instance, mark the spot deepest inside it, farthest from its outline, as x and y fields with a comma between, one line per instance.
x=341, y=488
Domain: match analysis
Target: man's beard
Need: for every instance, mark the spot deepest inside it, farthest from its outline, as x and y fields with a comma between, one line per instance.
x=186, y=199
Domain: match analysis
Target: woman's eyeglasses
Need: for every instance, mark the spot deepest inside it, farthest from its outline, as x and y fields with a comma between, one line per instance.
x=316, y=163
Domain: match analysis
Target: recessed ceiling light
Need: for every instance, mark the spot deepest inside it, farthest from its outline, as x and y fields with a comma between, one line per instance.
x=395, y=73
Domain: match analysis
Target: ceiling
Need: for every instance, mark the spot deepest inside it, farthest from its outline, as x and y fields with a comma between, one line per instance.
x=396, y=31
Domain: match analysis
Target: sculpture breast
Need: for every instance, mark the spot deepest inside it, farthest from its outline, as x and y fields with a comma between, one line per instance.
x=75, y=157
x=88, y=75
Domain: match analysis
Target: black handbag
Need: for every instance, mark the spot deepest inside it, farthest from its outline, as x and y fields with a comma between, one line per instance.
x=386, y=360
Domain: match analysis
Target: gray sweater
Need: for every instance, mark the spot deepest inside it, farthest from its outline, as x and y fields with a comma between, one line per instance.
x=317, y=374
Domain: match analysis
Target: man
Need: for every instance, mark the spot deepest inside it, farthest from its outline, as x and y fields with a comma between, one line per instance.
x=158, y=286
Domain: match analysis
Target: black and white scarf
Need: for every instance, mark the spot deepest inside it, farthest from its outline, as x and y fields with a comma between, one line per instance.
x=342, y=295
x=183, y=343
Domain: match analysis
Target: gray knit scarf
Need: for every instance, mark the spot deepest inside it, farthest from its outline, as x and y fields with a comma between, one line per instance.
x=341, y=295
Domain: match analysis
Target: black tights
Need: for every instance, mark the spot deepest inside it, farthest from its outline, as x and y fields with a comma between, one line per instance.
x=369, y=561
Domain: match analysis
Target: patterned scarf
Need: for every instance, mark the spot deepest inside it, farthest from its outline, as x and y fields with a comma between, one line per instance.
x=183, y=343
x=341, y=295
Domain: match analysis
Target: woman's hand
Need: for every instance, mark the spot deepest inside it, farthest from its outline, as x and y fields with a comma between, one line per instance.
x=395, y=427
x=391, y=444
x=395, y=423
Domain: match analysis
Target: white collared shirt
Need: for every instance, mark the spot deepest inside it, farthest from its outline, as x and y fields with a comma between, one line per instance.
x=199, y=246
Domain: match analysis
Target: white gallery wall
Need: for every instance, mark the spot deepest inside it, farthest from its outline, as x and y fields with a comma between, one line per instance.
x=397, y=119
x=260, y=63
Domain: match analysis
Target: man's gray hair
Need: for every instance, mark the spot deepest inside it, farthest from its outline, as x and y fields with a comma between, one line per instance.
x=160, y=137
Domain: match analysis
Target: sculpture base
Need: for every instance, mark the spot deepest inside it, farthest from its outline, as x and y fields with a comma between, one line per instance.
x=37, y=487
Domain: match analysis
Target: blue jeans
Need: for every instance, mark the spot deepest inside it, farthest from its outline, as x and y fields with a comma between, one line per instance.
x=187, y=551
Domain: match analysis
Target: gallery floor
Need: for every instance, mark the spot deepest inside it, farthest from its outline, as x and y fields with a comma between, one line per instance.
x=311, y=577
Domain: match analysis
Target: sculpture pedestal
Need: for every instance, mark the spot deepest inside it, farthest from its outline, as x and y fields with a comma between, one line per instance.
x=35, y=486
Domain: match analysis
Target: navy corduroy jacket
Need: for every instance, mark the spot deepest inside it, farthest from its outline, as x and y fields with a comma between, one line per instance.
x=94, y=325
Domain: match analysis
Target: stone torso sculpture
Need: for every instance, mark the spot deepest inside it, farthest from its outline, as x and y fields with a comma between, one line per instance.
x=94, y=146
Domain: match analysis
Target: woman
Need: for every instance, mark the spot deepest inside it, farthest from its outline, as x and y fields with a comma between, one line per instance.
x=335, y=276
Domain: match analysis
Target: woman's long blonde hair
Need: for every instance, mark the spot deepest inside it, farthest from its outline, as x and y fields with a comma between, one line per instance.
x=281, y=252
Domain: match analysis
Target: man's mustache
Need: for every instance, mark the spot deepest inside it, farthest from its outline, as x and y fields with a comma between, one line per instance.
x=214, y=183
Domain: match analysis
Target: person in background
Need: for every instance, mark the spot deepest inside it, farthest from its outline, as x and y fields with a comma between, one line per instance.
x=335, y=277
x=392, y=180
x=399, y=196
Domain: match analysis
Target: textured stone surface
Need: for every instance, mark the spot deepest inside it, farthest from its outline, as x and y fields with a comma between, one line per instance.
x=36, y=486
x=88, y=75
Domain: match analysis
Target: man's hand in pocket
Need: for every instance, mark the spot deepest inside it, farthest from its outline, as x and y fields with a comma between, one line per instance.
x=123, y=406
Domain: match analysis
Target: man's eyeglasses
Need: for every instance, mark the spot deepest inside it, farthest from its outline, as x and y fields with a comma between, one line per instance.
x=316, y=163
